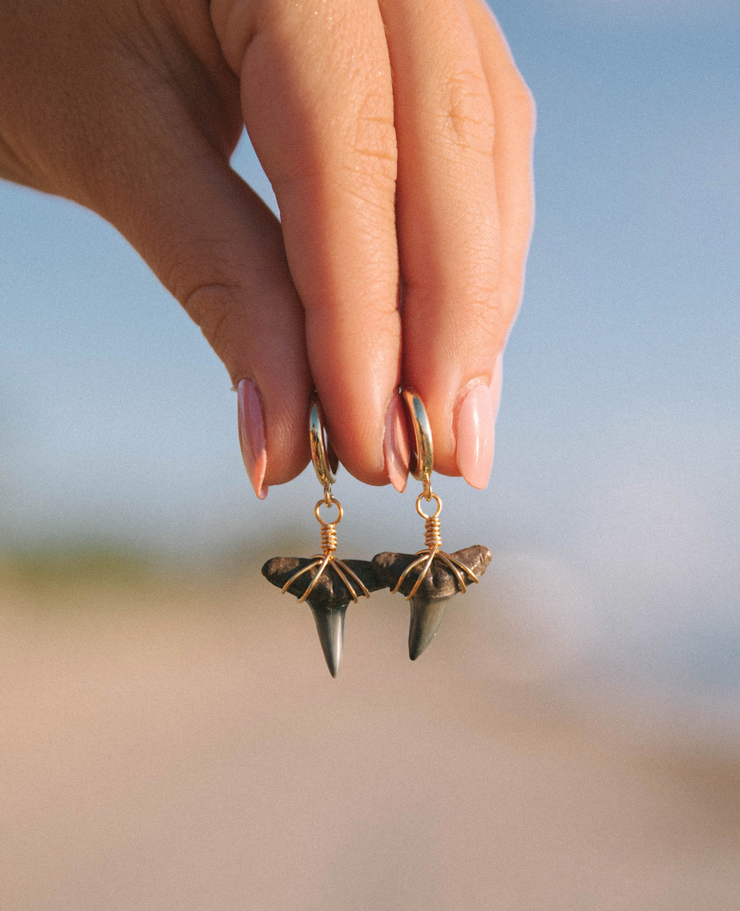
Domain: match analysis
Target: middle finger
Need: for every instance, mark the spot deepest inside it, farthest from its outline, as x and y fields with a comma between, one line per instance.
x=447, y=220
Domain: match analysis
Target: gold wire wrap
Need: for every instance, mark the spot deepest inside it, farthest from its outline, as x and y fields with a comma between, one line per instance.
x=432, y=533
x=328, y=538
x=433, y=550
x=325, y=559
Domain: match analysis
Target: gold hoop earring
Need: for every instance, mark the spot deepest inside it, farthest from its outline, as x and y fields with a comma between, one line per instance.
x=430, y=577
x=325, y=582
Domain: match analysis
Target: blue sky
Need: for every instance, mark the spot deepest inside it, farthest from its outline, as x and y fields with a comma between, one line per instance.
x=619, y=435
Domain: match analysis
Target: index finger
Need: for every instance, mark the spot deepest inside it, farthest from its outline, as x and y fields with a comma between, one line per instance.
x=318, y=105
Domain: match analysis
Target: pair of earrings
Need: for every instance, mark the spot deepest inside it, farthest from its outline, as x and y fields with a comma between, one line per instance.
x=426, y=579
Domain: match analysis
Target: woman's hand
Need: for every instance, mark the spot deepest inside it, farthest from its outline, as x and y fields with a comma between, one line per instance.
x=397, y=137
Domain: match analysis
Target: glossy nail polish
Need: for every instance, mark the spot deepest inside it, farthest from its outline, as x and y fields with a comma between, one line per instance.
x=252, y=435
x=496, y=384
x=476, y=436
x=396, y=445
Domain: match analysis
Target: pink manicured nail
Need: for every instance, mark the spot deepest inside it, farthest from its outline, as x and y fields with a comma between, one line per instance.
x=396, y=445
x=252, y=435
x=497, y=381
x=475, y=436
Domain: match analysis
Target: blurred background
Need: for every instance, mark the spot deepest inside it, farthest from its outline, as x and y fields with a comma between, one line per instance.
x=171, y=737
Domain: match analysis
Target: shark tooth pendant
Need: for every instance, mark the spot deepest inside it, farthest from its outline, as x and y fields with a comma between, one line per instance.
x=430, y=577
x=328, y=591
x=325, y=582
x=428, y=588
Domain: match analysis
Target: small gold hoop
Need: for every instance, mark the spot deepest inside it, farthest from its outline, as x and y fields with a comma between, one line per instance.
x=436, y=499
x=332, y=502
x=324, y=459
x=423, y=455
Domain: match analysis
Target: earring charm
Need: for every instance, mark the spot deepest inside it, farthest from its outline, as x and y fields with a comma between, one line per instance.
x=325, y=582
x=431, y=576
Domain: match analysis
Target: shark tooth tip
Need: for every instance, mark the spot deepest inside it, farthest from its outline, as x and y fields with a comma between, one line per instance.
x=330, y=627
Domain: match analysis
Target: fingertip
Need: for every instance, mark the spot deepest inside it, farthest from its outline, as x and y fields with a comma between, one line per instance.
x=476, y=436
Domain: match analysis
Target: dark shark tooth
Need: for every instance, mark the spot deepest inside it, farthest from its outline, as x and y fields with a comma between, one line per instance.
x=437, y=587
x=440, y=582
x=330, y=596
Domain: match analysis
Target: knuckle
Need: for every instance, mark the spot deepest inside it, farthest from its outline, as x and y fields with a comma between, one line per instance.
x=471, y=312
x=489, y=321
x=467, y=111
x=215, y=308
x=373, y=148
x=479, y=305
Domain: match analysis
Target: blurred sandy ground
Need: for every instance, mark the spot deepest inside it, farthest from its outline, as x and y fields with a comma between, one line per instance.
x=182, y=746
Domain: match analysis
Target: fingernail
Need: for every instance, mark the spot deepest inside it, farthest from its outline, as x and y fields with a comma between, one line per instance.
x=396, y=445
x=252, y=435
x=475, y=436
x=497, y=381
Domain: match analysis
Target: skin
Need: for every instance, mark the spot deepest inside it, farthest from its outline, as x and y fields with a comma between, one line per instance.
x=397, y=135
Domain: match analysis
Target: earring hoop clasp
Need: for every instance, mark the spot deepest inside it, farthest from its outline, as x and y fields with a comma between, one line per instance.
x=325, y=462
x=423, y=454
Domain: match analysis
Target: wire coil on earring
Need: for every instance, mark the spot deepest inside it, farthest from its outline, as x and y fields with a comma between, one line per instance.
x=432, y=525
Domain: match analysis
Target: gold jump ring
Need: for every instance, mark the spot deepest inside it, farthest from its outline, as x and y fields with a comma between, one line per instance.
x=420, y=510
x=334, y=502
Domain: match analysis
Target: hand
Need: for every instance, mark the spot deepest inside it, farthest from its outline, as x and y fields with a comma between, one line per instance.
x=397, y=137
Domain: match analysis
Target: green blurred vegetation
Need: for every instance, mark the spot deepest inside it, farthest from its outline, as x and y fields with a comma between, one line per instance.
x=57, y=565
